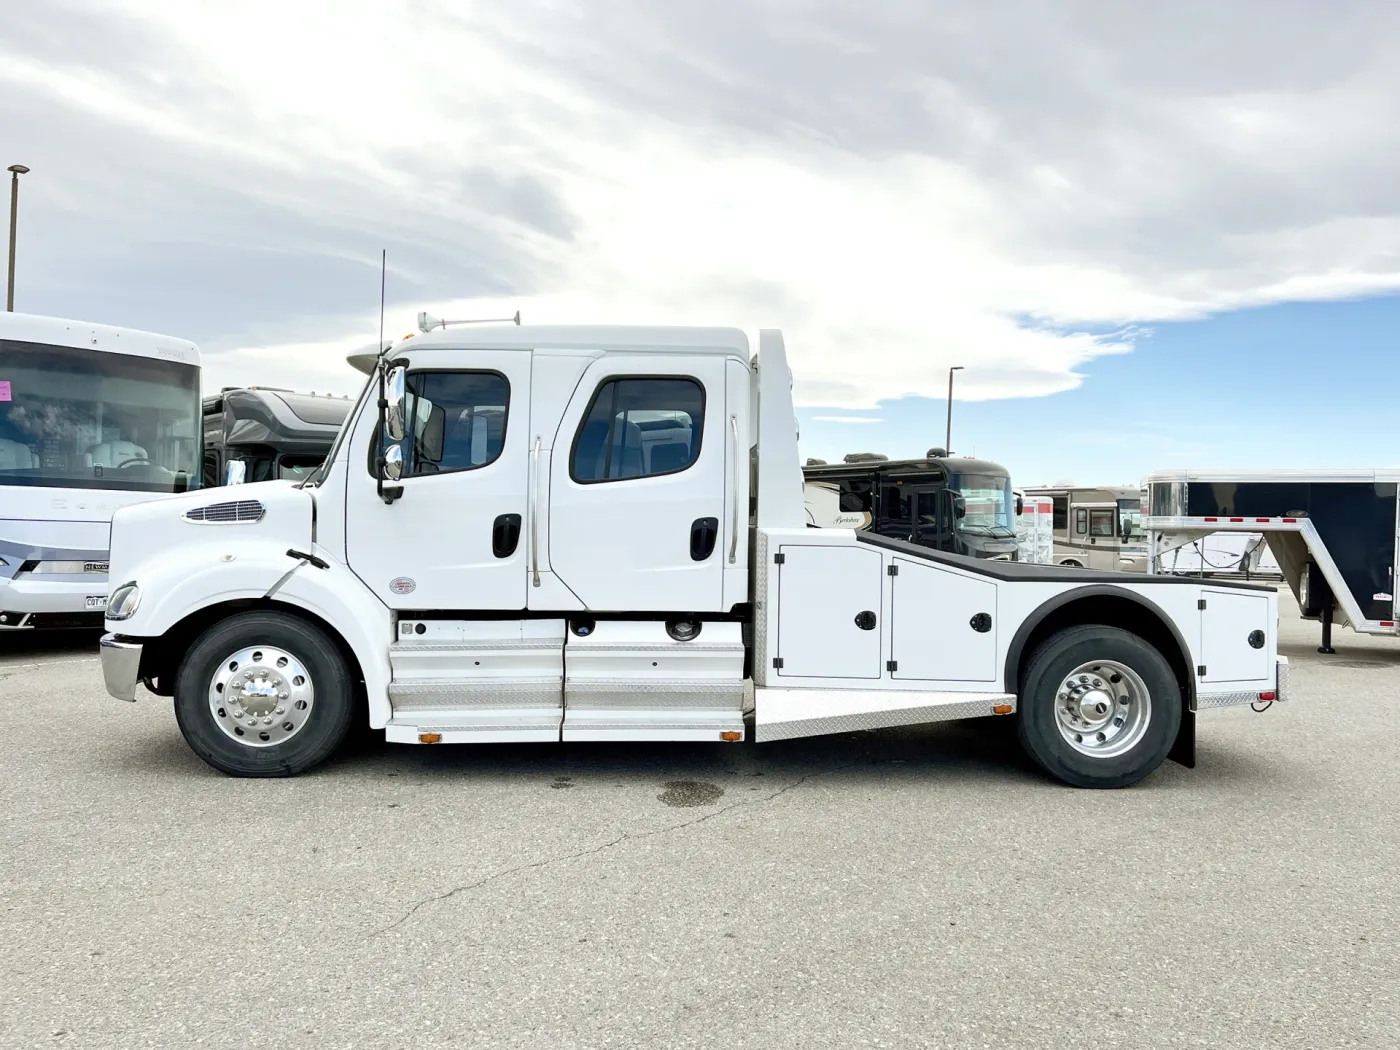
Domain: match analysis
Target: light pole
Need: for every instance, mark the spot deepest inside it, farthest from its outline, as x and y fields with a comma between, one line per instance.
x=948, y=438
x=16, y=170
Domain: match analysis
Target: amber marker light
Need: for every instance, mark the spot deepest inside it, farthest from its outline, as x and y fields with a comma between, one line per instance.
x=430, y=738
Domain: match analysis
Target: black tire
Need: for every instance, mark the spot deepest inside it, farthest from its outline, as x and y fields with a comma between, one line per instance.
x=1038, y=725
x=325, y=726
x=1070, y=564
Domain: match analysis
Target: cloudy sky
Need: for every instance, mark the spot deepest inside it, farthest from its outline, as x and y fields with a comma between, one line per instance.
x=1155, y=235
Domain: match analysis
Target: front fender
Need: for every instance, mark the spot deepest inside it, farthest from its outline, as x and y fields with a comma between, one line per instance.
x=176, y=587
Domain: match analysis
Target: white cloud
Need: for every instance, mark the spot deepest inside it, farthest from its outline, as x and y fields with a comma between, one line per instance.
x=901, y=189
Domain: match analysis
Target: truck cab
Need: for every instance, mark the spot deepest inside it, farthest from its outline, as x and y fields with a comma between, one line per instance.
x=598, y=534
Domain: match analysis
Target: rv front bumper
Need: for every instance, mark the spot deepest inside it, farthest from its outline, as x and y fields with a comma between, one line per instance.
x=121, y=663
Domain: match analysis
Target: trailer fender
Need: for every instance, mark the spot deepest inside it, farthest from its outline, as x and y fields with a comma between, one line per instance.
x=1114, y=607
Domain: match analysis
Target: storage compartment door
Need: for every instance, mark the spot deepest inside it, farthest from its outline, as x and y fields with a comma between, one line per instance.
x=943, y=625
x=1228, y=624
x=828, y=612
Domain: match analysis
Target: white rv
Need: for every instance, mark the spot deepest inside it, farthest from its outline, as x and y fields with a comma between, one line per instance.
x=92, y=418
x=561, y=577
x=1097, y=528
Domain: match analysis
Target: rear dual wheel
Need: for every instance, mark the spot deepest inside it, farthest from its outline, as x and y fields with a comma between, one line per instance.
x=1099, y=707
x=263, y=694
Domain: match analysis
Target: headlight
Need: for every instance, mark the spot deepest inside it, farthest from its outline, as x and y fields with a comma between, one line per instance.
x=122, y=605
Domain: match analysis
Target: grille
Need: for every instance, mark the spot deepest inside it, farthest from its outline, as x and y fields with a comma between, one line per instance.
x=235, y=512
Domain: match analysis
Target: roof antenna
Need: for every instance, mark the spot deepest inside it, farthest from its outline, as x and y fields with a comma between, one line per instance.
x=383, y=271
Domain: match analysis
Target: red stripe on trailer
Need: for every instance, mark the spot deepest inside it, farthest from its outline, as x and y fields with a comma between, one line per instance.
x=1290, y=521
x=1237, y=519
x=1263, y=519
x=1212, y=519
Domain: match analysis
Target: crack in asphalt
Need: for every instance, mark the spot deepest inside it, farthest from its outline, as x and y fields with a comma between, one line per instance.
x=624, y=837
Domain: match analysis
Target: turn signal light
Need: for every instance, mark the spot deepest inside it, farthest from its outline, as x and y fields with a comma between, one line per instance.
x=430, y=738
x=1001, y=709
x=1268, y=694
x=730, y=734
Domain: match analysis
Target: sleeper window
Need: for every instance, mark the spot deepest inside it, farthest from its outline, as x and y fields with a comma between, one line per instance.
x=639, y=427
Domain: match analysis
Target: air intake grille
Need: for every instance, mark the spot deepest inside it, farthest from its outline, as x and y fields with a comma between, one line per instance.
x=240, y=512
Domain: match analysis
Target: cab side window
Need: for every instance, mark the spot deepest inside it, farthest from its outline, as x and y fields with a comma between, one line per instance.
x=639, y=427
x=457, y=421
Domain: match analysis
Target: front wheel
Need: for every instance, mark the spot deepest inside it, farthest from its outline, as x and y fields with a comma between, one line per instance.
x=1099, y=707
x=263, y=694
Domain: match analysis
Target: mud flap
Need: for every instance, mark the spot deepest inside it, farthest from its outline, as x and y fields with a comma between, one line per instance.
x=1184, y=749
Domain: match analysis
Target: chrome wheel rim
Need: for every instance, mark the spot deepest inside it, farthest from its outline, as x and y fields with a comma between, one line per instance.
x=261, y=696
x=1103, y=708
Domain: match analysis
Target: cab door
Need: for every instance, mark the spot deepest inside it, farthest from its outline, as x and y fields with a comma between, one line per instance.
x=454, y=539
x=638, y=492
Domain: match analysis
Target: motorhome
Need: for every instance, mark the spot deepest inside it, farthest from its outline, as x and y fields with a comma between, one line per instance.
x=956, y=504
x=260, y=433
x=92, y=418
x=1097, y=528
x=1332, y=533
x=552, y=575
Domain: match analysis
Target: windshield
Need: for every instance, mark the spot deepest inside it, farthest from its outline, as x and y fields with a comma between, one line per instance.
x=319, y=474
x=1130, y=514
x=989, y=502
x=74, y=418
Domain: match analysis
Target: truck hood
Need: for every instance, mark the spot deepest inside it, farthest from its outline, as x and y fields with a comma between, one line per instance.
x=226, y=520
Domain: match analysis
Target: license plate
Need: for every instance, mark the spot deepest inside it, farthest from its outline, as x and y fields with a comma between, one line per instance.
x=96, y=601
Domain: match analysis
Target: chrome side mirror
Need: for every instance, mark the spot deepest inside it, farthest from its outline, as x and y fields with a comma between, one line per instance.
x=393, y=463
x=235, y=471
x=395, y=422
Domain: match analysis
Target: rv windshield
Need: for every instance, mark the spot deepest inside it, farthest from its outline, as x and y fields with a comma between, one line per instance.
x=989, y=502
x=90, y=419
x=1130, y=513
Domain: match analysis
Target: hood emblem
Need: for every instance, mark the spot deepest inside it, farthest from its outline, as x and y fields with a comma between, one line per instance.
x=402, y=585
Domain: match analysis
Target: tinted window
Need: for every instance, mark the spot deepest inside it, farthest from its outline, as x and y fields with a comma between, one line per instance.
x=457, y=420
x=78, y=418
x=1061, y=504
x=1081, y=520
x=639, y=427
x=1101, y=523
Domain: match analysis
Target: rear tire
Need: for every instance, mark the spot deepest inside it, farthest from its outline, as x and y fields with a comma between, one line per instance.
x=1099, y=707
x=263, y=694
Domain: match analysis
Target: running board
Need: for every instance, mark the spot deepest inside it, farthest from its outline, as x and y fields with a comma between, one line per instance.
x=783, y=714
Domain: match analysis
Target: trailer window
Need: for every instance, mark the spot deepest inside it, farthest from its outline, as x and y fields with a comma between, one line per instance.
x=1061, y=513
x=1081, y=520
x=1101, y=523
x=639, y=427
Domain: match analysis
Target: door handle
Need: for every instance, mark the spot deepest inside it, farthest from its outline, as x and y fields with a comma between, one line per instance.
x=535, y=519
x=505, y=535
x=702, y=538
x=734, y=472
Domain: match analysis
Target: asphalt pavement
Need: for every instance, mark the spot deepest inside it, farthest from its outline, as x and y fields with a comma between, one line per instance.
x=921, y=887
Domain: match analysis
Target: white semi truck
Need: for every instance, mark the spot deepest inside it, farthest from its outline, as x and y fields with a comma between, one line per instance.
x=594, y=533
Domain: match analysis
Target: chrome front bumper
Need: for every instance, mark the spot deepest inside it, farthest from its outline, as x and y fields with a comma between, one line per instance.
x=121, y=663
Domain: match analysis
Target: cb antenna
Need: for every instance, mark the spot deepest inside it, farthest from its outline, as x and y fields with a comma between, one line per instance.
x=383, y=273
x=427, y=322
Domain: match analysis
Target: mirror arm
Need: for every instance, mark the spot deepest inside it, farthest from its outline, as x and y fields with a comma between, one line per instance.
x=378, y=435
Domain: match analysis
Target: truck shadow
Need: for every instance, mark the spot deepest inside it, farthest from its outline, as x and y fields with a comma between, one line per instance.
x=958, y=754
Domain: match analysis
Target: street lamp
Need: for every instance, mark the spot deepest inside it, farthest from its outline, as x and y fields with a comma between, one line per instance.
x=16, y=170
x=948, y=438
